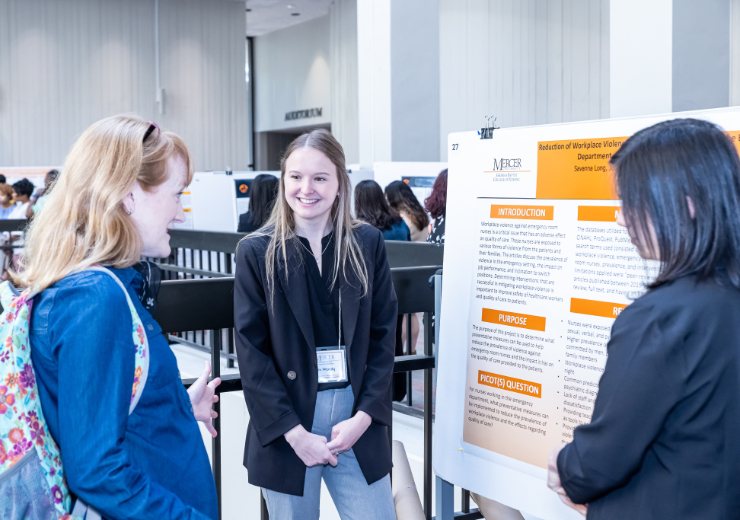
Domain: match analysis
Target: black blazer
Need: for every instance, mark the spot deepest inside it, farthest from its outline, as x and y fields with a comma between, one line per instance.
x=273, y=340
x=664, y=439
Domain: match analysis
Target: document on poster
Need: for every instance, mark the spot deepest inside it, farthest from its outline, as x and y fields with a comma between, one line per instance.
x=551, y=274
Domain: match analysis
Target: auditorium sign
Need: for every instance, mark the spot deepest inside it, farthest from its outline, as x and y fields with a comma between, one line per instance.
x=303, y=114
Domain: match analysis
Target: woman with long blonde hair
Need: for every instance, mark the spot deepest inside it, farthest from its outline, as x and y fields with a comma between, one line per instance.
x=315, y=315
x=140, y=458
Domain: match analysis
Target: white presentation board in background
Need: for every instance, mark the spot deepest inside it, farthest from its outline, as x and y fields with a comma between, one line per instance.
x=217, y=200
x=356, y=176
x=535, y=272
x=420, y=176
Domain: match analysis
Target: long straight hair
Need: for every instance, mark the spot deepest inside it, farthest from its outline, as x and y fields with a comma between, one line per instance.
x=281, y=227
x=656, y=170
x=84, y=222
x=401, y=198
x=371, y=206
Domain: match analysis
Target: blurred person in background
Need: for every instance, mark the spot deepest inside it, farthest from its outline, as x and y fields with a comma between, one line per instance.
x=262, y=195
x=22, y=191
x=6, y=200
x=3, y=180
x=39, y=199
x=402, y=199
x=372, y=207
x=436, y=205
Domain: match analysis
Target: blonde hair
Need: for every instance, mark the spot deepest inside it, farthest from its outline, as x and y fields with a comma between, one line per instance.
x=281, y=226
x=84, y=222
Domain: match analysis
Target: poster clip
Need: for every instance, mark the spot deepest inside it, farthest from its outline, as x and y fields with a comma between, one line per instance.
x=487, y=131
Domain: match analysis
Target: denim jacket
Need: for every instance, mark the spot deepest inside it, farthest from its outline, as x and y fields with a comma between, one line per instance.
x=149, y=465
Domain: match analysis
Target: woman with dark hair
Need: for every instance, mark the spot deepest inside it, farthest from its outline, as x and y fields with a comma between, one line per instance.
x=402, y=199
x=22, y=191
x=262, y=195
x=662, y=442
x=436, y=205
x=372, y=207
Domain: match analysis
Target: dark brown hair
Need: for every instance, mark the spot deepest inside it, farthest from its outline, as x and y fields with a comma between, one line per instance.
x=401, y=198
x=436, y=203
x=371, y=206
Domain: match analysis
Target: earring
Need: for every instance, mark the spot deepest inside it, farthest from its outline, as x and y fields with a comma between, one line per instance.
x=128, y=211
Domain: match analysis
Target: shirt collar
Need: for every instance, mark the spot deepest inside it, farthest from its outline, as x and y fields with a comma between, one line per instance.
x=126, y=275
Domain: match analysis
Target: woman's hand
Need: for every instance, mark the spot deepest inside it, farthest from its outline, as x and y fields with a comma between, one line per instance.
x=553, y=481
x=312, y=449
x=345, y=434
x=202, y=396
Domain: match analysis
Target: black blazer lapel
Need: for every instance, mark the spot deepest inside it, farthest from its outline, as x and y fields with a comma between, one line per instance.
x=350, y=307
x=295, y=288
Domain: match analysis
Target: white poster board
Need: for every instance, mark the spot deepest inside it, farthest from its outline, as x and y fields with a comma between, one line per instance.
x=216, y=201
x=535, y=272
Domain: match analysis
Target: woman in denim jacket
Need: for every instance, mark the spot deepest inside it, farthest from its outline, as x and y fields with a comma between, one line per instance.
x=119, y=195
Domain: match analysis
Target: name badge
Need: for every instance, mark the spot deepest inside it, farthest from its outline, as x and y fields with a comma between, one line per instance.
x=332, y=364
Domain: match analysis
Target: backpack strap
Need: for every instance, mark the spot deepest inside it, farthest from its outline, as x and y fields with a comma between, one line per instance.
x=140, y=342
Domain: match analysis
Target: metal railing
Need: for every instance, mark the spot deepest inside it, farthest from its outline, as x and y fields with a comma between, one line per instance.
x=208, y=305
x=13, y=225
x=210, y=254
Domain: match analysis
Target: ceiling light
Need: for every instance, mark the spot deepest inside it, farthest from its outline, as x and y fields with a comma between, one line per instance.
x=290, y=6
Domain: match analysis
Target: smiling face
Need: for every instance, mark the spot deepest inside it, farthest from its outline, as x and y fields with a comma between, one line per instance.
x=155, y=212
x=311, y=185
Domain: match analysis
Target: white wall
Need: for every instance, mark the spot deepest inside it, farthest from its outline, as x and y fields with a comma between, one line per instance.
x=526, y=61
x=734, y=52
x=65, y=65
x=415, y=80
x=374, y=87
x=641, y=57
x=344, y=77
x=291, y=72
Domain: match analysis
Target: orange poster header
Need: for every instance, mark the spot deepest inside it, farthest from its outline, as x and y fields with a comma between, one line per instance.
x=512, y=319
x=598, y=213
x=596, y=308
x=523, y=212
x=520, y=386
x=576, y=168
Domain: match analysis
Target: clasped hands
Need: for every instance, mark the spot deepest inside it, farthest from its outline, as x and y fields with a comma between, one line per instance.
x=314, y=449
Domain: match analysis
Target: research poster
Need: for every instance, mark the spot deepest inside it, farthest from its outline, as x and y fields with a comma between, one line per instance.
x=541, y=270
